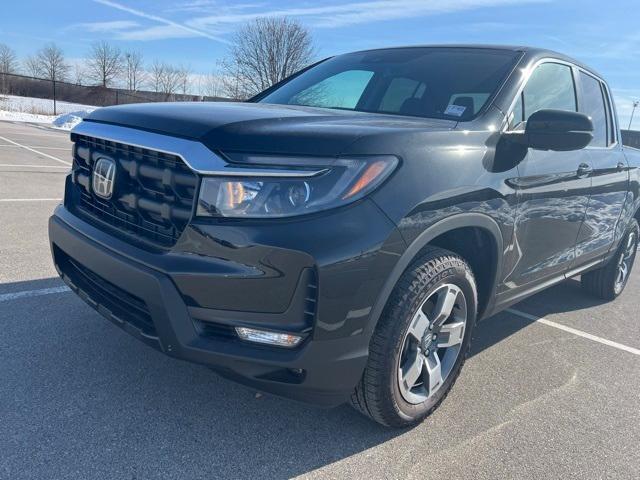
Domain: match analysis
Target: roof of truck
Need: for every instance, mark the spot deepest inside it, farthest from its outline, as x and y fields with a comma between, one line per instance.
x=532, y=52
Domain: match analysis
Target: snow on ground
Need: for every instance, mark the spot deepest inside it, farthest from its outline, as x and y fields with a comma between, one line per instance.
x=39, y=110
x=38, y=106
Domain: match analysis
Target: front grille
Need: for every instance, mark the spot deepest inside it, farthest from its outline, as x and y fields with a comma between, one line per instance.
x=153, y=193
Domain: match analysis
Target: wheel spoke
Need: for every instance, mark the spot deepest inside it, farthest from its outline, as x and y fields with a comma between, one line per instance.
x=419, y=325
x=444, y=306
x=411, y=371
x=450, y=334
x=434, y=373
x=623, y=271
x=630, y=242
x=628, y=253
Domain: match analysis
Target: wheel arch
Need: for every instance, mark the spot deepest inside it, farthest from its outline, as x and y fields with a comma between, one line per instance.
x=437, y=231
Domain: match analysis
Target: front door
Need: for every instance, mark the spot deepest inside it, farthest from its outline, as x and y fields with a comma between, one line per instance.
x=552, y=187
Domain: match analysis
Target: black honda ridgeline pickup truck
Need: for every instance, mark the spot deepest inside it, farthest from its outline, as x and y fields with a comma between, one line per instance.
x=337, y=237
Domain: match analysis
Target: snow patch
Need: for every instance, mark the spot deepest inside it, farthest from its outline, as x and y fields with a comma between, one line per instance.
x=25, y=117
x=39, y=110
x=38, y=106
x=69, y=120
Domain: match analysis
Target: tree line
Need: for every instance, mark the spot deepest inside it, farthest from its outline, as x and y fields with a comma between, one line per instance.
x=262, y=53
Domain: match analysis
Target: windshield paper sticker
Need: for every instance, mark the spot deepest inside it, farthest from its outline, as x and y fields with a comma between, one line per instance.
x=455, y=110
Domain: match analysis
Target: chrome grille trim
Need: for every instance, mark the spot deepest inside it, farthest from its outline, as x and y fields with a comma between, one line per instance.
x=194, y=154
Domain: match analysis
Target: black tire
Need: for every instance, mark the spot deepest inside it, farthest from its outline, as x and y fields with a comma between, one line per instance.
x=378, y=393
x=604, y=282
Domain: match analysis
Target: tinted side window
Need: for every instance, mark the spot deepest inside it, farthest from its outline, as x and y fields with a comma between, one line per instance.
x=549, y=87
x=592, y=104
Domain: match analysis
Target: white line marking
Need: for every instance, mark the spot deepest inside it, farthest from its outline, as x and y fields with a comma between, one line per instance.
x=68, y=149
x=32, y=166
x=574, y=331
x=35, y=151
x=30, y=200
x=53, y=134
x=5, y=297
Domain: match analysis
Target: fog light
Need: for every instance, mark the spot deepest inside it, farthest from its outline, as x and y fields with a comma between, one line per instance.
x=268, y=338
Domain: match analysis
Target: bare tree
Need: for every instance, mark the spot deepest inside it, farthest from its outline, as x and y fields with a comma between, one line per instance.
x=134, y=72
x=264, y=52
x=79, y=73
x=184, y=74
x=32, y=66
x=211, y=85
x=8, y=64
x=104, y=63
x=165, y=78
x=157, y=72
x=8, y=59
x=50, y=63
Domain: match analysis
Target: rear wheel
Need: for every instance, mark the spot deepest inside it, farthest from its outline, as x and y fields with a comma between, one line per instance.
x=609, y=281
x=420, y=342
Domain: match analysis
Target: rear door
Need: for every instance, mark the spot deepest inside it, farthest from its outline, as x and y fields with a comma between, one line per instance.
x=610, y=175
x=552, y=187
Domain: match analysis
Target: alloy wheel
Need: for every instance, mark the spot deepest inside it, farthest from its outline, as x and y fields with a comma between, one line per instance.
x=432, y=343
x=625, y=262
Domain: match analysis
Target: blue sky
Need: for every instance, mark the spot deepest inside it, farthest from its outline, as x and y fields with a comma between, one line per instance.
x=605, y=35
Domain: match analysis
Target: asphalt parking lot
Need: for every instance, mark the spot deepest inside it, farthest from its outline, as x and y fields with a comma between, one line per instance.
x=79, y=398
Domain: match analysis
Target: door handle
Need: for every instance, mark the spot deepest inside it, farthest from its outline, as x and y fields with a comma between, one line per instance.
x=621, y=166
x=584, y=170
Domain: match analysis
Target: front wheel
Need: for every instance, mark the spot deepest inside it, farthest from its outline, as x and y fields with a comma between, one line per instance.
x=609, y=281
x=420, y=342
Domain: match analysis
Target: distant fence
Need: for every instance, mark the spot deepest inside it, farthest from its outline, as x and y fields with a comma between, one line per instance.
x=23, y=86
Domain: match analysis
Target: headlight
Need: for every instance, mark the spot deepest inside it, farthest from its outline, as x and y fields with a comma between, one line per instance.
x=277, y=187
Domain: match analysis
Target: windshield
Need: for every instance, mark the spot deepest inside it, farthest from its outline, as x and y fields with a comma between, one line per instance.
x=435, y=82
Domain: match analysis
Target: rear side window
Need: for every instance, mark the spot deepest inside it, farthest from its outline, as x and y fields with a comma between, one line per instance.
x=550, y=86
x=593, y=105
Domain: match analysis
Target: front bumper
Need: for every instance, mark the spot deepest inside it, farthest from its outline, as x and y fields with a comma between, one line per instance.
x=159, y=299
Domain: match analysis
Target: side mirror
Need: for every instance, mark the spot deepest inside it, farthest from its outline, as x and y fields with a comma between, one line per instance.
x=558, y=130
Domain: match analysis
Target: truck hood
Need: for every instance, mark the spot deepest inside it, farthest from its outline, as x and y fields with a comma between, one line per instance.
x=264, y=128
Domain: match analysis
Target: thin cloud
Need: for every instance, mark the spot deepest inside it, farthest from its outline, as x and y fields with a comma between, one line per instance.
x=105, y=27
x=159, y=32
x=226, y=18
x=175, y=25
x=211, y=6
x=340, y=15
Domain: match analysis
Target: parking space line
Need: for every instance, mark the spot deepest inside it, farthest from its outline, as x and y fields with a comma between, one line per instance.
x=574, y=331
x=6, y=200
x=35, y=151
x=68, y=149
x=53, y=134
x=5, y=297
x=32, y=166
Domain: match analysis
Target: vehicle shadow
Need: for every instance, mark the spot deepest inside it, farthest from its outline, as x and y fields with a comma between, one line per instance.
x=567, y=296
x=87, y=397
